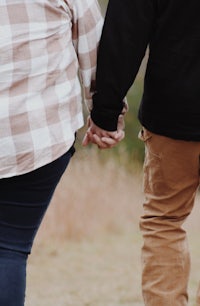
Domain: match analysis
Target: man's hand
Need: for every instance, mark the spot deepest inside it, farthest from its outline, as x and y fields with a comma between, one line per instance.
x=102, y=138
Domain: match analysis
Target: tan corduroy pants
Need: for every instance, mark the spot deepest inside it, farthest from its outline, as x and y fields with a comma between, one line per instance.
x=171, y=179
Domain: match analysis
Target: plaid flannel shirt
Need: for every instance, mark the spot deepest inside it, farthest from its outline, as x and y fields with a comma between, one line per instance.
x=46, y=48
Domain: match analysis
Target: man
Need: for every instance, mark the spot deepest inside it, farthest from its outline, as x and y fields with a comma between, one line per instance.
x=170, y=117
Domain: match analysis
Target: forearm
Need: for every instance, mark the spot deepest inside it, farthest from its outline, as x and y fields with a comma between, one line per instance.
x=126, y=34
x=86, y=32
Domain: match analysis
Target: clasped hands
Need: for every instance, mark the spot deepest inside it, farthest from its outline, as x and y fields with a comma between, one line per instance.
x=102, y=138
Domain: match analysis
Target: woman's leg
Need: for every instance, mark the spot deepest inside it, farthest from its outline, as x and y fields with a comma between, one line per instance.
x=12, y=277
x=23, y=203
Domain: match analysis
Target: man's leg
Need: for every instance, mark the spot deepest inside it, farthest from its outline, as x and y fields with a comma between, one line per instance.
x=198, y=296
x=171, y=178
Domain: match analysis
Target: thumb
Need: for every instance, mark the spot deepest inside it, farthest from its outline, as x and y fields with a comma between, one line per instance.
x=120, y=124
x=85, y=140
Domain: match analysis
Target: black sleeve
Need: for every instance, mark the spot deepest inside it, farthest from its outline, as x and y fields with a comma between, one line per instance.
x=125, y=37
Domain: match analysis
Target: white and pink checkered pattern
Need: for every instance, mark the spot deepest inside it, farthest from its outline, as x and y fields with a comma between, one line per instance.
x=47, y=48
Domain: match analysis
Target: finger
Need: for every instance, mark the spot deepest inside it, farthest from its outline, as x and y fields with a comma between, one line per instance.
x=109, y=141
x=121, y=135
x=88, y=121
x=120, y=125
x=91, y=136
x=97, y=140
x=85, y=140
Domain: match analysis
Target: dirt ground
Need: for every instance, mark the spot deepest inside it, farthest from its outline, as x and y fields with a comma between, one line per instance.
x=96, y=260
x=91, y=273
x=103, y=272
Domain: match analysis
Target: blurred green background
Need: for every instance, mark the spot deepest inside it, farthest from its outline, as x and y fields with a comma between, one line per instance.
x=131, y=146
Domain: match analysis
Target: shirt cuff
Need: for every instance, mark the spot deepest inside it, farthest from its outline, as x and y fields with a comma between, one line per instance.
x=105, y=119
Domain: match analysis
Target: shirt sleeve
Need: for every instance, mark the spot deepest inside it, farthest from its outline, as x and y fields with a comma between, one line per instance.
x=87, y=22
x=125, y=37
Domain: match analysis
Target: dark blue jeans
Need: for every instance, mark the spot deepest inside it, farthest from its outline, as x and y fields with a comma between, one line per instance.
x=23, y=202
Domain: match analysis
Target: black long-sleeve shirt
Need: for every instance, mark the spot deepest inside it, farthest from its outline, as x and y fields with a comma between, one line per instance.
x=170, y=103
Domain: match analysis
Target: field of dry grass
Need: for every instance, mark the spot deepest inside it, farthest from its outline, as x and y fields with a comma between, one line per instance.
x=87, y=252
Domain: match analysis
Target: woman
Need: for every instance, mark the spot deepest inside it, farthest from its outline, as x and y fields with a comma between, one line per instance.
x=46, y=47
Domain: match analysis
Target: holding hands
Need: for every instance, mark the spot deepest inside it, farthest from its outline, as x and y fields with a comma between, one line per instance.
x=102, y=138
